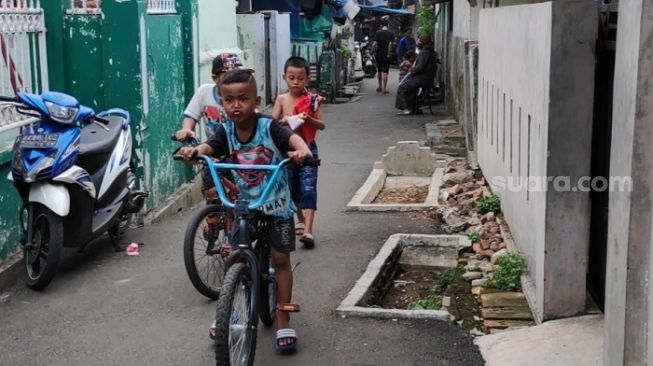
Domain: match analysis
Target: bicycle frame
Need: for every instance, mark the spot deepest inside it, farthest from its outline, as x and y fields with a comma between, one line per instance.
x=244, y=211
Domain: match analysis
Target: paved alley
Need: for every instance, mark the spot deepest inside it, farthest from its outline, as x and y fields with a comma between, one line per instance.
x=105, y=308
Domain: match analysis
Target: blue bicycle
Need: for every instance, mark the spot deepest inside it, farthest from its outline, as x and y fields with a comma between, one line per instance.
x=249, y=289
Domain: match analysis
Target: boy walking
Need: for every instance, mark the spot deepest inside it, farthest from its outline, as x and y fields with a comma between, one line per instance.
x=248, y=137
x=299, y=105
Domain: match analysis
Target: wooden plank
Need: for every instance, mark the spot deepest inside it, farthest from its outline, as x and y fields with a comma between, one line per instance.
x=505, y=323
x=503, y=299
x=523, y=313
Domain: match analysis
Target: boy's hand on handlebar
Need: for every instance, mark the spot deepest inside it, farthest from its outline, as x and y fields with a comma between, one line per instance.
x=188, y=153
x=183, y=134
x=298, y=156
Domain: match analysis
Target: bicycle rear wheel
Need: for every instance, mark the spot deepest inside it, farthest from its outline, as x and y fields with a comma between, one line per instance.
x=205, y=236
x=236, y=319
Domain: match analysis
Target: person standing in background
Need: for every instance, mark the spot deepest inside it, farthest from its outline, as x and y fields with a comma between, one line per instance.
x=381, y=45
x=406, y=43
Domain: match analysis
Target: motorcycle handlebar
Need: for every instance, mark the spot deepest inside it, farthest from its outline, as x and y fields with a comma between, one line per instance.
x=8, y=99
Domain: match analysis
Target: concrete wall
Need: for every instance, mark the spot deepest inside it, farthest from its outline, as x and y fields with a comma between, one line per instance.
x=461, y=19
x=217, y=33
x=535, y=80
x=628, y=297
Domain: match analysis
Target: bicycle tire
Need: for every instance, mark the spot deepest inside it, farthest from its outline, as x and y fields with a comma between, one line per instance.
x=237, y=275
x=210, y=289
x=267, y=294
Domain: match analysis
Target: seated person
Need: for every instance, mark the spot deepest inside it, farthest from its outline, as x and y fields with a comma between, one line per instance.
x=422, y=75
x=406, y=64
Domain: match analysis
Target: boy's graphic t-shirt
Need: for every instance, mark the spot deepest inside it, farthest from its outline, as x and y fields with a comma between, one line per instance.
x=267, y=146
x=205, y=107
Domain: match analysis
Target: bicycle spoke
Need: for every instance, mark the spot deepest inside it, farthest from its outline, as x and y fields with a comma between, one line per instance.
x=238, y=327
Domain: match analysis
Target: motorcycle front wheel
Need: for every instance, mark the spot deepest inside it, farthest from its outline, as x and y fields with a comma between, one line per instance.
x=41, y=256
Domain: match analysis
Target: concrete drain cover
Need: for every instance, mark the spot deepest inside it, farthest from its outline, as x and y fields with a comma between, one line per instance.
x=404, y=167
x=436, y=252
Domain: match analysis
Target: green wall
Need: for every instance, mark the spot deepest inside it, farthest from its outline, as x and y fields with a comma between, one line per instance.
x=123, y=58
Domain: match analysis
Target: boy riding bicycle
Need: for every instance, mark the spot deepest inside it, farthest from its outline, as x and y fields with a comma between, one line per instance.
x=250, y=138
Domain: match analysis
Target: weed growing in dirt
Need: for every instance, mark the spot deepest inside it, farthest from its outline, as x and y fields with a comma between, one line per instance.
x=430, y=302
x=474, y=236
x=433, y=301
x=490, y=203
x=507, y=274
x=446, y=279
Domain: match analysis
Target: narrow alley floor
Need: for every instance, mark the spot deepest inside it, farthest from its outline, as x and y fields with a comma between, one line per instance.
x=105, y=308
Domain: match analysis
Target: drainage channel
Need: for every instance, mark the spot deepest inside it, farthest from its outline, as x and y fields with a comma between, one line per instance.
x=404, y=259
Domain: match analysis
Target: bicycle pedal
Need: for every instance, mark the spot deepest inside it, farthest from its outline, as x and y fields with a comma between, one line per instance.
x=290, y=308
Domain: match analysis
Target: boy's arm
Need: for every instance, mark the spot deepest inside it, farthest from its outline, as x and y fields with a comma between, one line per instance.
x=192, y=114
x=300, y=149
x=277, y=110
x=317, y=122
x=190, y=152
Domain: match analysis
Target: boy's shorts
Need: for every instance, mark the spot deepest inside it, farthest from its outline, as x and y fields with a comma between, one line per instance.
x=303, y=182
x=279, y=233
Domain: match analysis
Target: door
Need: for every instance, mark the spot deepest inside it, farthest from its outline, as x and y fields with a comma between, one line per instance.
x=601, y=137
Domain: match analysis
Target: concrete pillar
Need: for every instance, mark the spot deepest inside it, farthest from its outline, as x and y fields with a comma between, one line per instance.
x=629, y=298
x=573, y=29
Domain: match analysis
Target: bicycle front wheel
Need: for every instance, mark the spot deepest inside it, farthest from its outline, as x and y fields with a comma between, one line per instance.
x=203, y=242
x=236, y=319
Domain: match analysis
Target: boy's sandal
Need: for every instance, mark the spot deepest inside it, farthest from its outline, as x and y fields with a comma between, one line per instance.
x=307, y=240
x=290, y=336
x=299, y=228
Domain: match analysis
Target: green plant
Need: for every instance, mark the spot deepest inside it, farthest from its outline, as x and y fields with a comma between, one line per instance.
x=444, y=280
x=346, y=52
x=507, y=274
x=426, y=19
x=490, y=203
x=474, y=236
x=430, y=302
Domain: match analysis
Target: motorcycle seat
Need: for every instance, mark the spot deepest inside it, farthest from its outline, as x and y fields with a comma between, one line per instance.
x=96, y=140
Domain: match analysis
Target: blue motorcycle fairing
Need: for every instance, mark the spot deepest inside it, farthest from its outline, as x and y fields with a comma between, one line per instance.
x=61, y=99
x=38, y=103
x=67, y=148
x=119, y=112
x=34, y=101
x=84, y=113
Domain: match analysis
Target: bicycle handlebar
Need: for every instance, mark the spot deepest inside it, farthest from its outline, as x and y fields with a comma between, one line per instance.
x=275, y=169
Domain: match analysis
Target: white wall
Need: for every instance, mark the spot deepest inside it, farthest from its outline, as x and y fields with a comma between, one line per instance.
x=461, y=19
x=513, y=87
x=217, y=33
x=535, y=84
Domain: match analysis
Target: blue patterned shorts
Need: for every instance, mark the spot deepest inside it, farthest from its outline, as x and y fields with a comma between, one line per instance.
x=303, y=182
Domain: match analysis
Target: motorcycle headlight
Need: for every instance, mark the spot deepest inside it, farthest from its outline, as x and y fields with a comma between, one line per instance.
x=60, y=113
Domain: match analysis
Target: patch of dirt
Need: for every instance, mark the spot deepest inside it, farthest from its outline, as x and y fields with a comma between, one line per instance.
x=464, y=306
x=412, y=194
x=408, y=287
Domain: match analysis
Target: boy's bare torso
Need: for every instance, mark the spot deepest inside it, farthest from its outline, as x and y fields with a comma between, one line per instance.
x=287, y=104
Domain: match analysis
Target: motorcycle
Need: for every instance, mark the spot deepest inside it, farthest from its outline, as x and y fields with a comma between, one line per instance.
x=72, y=169
x=369, y=63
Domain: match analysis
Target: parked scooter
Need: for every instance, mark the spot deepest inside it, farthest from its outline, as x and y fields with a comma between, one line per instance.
x=369, y=63
x=71, y=168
